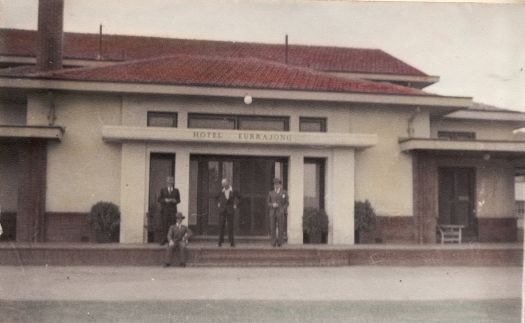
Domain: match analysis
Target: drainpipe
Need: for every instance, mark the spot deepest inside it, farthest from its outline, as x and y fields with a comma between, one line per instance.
x=410, y=127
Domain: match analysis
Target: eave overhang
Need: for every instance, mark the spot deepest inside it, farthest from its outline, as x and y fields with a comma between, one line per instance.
x=31, y=132
x=509, y=147
x=442, y=104
x=505, y=116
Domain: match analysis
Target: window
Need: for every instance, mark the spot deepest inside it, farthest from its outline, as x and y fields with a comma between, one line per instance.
x=217, y=121
x=456, y=135
x=313, y=183
x=312, y=124
x=162, y=119
x=263, y=123
x=211, y=122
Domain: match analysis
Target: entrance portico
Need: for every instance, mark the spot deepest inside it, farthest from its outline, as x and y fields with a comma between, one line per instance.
x=465, y=182
x=336, y=149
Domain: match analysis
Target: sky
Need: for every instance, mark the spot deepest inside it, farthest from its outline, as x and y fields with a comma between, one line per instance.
x=478, y=50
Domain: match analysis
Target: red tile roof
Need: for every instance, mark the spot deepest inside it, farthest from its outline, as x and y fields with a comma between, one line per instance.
x=118, y=47
x=215, y=71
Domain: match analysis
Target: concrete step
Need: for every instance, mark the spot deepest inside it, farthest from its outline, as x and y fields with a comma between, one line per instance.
x=261, y=256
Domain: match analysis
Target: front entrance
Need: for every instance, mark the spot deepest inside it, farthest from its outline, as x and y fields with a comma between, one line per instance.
x=456, y=199
x=250, y=176
x=160, y=167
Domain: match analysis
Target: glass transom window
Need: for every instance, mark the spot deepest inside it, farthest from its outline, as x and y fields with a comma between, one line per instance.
x=162, y=119
x=312, y=124
x=241, y=122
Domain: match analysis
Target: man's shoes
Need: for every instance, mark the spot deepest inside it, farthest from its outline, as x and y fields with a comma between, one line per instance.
x=166, y=265
x=219, y=245
x=232, y=245
x=183, y=264
x=163, y=242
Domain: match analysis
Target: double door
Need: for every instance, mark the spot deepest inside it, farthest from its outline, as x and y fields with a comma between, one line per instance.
x=250, y=176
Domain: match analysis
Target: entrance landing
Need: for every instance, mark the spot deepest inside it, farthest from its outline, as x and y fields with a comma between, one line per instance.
x=262, y=254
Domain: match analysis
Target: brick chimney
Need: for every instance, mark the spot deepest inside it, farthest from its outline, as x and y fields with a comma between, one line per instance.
x=50, y=34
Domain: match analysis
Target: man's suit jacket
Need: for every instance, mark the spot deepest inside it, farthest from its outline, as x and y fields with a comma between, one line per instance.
x=164, y=193
x=226, y=204
x=280, y=198
x=177, y=234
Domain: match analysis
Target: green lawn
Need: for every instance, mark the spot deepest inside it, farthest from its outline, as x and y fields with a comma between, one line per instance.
x=262, y=311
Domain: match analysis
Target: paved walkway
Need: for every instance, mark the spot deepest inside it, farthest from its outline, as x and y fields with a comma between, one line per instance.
x=305, y=284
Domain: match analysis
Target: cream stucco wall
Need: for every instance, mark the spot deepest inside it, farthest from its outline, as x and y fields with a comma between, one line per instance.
x=485, y=130
x=135, y=109
x=379, y=170
x=81, y=169
x=495, y=190
x=383, y=173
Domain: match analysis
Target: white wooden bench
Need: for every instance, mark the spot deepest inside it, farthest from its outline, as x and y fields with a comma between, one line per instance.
x=450, y=233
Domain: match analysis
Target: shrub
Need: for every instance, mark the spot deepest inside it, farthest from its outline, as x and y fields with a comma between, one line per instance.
x=104, y=220
x=364, y=216
x=315, y=224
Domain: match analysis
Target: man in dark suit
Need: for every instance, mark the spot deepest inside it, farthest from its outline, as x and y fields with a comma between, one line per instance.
x=178, y=236
x=227, y=201
x=169, y=198
x=277, y=203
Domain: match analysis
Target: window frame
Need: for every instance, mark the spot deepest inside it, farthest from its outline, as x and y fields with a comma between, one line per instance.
x=456, y=135
x=174, y=118
x=323, y=121
x=237, y=118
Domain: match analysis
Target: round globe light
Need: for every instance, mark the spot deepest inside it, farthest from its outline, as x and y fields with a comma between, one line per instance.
x=247, y=99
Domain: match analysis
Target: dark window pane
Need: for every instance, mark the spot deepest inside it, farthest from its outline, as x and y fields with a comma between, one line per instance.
x=456, y=135
x=211, y=122
x=237, y=122
x=162, y=119
x=312, y=185
x=312, y=124
x=269, y=124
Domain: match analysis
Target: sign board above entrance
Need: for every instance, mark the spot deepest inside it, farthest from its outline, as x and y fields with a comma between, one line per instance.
x=288, y=138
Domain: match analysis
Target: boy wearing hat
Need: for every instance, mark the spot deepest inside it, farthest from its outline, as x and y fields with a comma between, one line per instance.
x=178, y=236
x=277, y=203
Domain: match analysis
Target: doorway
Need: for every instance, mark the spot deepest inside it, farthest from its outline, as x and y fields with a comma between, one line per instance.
x=161, y=165
x=457, y=199
x=250, y=176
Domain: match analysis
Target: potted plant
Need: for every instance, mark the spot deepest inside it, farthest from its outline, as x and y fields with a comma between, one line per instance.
x=364, y=220
x=104, y=221
x=315, y=225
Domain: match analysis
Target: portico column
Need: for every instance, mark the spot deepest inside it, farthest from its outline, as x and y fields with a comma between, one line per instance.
x=133, y=192
x=296, y=196
x=182, y=181
x=343, y=165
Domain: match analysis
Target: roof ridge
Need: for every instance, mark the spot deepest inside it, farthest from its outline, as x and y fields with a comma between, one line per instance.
x=204, y=39
x=327, y=58
x=269, y=63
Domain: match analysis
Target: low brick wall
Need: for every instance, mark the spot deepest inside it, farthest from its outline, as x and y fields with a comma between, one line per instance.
x=396, y=229
x=67, y=227
x=497, y=229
